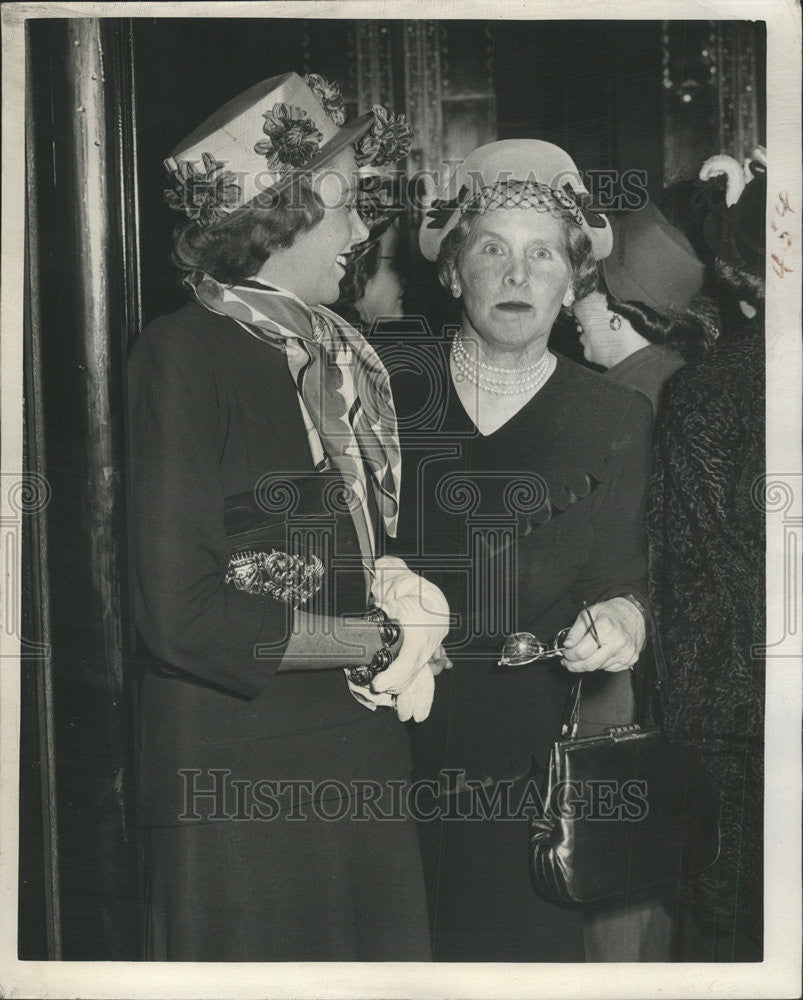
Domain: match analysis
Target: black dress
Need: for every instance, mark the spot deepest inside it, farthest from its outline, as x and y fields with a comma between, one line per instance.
x=518, y=527
x=242, y=864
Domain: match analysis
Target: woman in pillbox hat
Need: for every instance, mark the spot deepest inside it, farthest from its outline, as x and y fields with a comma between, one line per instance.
x=529, y=514
x=648, y=315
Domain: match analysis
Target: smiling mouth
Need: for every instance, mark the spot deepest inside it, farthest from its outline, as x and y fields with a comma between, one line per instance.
x=513, y=306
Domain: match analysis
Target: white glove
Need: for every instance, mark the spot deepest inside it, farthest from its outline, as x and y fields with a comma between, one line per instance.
x=365, y=696
x=415, y=701
x=418, y=694
x=419, y=606
x=423, y=613
x=439, y=661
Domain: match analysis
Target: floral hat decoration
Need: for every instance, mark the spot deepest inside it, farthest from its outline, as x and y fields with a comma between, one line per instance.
x=258, y=142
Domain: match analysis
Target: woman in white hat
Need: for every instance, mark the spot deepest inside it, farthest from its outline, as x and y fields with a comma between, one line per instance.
x=531, y=519
x=265, y=471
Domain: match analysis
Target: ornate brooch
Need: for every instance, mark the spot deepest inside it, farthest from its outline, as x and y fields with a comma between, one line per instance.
x=285, y=577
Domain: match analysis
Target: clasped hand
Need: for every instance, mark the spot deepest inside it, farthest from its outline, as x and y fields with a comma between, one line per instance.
x=423, y=613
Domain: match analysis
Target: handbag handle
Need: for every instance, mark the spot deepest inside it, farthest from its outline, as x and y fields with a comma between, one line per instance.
x=571, y=709
x=570, y=720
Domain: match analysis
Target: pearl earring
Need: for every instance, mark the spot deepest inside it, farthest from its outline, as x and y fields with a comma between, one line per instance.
x=615, y=321
x=455, y=289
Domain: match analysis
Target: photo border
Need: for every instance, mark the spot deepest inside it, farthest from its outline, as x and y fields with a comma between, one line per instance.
x=779, y=975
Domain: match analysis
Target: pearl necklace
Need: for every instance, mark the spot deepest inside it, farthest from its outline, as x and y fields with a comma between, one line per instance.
x=459, y=347
x=513, y=381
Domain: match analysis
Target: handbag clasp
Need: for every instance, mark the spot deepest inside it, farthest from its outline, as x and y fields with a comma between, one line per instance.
x=622, y=732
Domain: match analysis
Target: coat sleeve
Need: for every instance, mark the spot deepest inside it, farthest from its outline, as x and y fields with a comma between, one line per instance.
x=617, y=562
x=185, y=612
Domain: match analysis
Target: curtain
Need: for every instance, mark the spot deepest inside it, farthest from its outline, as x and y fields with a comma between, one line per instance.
x=440, y=74
x=713, y=92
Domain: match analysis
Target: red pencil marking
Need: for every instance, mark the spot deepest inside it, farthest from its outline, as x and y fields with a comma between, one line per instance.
x=783, y=197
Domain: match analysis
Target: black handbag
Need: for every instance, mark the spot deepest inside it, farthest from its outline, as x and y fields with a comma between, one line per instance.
x=626, y=813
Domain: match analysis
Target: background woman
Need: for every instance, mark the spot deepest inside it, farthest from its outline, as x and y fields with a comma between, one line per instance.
x=531, y=506
x=707, y=574
x=372, y=288
x=646, y=319
x=260, y=490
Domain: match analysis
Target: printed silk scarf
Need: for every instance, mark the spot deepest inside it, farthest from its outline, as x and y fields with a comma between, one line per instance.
x=343, y=386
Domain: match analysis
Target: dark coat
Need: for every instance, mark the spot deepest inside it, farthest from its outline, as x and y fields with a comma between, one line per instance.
x=707, y=546
x=648, y=370
x=221, y=462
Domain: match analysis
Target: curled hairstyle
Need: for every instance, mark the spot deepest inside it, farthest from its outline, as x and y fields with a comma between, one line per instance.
x=692, y=332
x=578, y=247
x=238, y=245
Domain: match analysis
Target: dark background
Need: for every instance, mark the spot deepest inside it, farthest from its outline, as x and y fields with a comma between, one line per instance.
x=592, y=87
